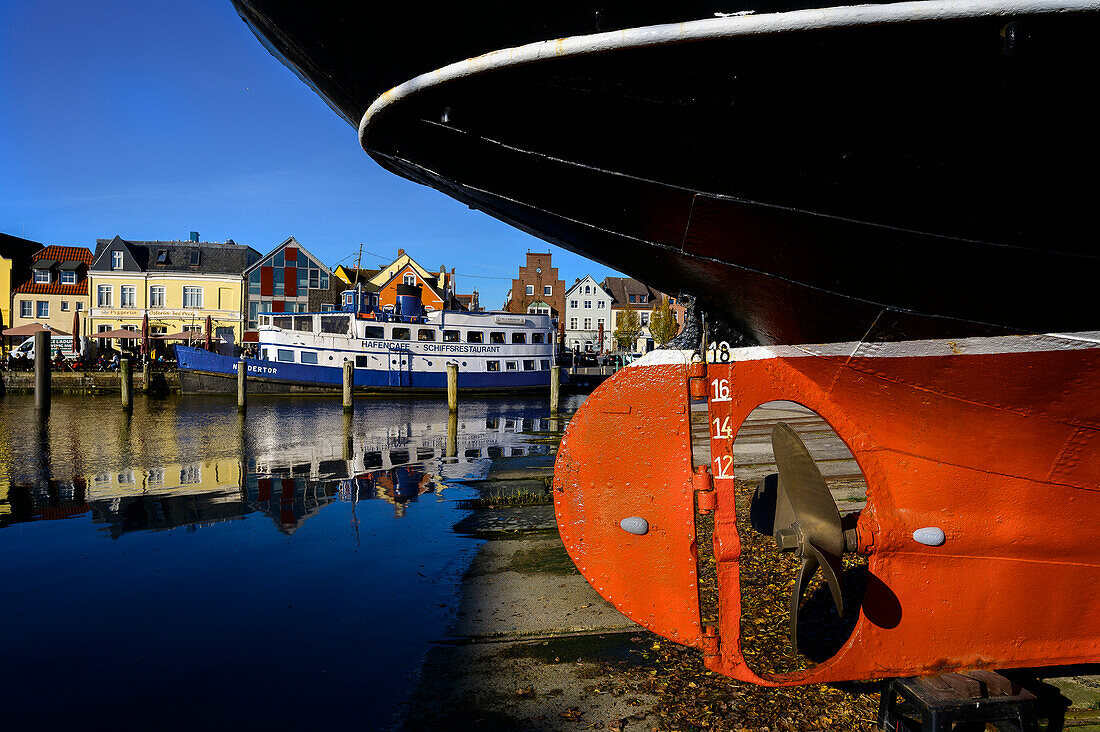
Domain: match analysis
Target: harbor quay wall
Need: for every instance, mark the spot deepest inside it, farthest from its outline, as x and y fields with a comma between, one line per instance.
x=22, y=382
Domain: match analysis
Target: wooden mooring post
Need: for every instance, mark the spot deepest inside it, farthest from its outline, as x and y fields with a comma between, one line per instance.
x=242, y=385
x=42, y=370
x=126, y=372
x=555, y=388
x=349, y=379
x=452, y=387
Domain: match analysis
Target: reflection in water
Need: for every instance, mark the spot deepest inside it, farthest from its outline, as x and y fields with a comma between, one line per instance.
x=287, y=462
x=249, y=551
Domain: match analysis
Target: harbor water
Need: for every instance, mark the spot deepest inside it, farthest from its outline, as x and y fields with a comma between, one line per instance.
x=182, y=565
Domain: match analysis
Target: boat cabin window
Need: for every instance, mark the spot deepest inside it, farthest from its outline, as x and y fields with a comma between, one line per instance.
x=425, y=334
x=450, y=336
x=374, y=331
x=536, y=338
x=519, y=338
x=286, y=355
x=492, y=365
x=400, y=334
x=309, y=357
x=283, y=321
x=362, y=362
x=335, y=324
x=475, y=336
x=264, y=355
x=512, y=365
x=545, y=364
x=304, y=322
x=529, y=365
x=496, y=337
x=265, y=320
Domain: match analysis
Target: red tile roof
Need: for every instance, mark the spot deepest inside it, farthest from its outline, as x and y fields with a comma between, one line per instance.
x=64, y=254
x=54, y=288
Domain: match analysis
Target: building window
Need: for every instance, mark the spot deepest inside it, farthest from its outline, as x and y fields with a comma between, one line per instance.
x=79, y=306
x=156, y=296
x=162, y=256
x=588, y=323
x=116, y=260
x=600, y=304
x=195, y=255
x=547, y=290
x=530, y=289
x=587, y=290
x=409, y=279
x=127, y=296
x=26, y=309
x=64, y=306
x=643, y=298
x=314, y=279
x=192, y=298
x=572, y=303
x=42, y=276
x=103, y=296
x=68, y=277
x=587, y=304
x=43, y=309
x=572, y=324
x=645, y=319
x=633, y=298
x=599, y=322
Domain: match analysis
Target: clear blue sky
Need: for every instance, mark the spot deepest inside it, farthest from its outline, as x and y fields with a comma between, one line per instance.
x=151, y=119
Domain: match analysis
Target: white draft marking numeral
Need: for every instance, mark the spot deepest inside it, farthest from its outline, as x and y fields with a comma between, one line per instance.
x=721, y=390
x=723, y=466
x=722, y=428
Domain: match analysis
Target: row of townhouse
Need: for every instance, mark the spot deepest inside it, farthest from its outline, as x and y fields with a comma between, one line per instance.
x=593, y=310
x=183, y=285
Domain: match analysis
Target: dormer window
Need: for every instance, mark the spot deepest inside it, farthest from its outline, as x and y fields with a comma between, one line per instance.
x=42, y=276
x=68, y=277
x=162, y=256
x=116, y=260
x=195, y=253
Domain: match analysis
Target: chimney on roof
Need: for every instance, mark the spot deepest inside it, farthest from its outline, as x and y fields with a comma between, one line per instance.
x=195, y=237
x=400, y=252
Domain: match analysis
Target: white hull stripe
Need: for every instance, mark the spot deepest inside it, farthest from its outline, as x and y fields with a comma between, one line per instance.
x=714, y=29
x=899, y=349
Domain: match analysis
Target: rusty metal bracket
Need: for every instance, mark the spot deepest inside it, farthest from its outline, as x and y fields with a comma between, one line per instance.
x=697, y=379
x=702, y=482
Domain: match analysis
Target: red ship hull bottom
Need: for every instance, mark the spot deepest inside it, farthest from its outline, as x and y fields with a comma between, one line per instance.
x=992, y=441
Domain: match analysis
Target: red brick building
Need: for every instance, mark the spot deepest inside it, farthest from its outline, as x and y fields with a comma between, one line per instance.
x=538, y=288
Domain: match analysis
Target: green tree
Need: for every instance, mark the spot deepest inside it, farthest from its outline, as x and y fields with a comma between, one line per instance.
x=628, y=329
x=662, y=326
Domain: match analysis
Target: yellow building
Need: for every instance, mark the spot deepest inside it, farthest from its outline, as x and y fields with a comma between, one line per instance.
x=56, y=290
x=15, y=257
x=178, y=284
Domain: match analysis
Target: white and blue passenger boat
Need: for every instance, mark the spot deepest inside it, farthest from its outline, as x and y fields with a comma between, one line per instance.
x=399, y=349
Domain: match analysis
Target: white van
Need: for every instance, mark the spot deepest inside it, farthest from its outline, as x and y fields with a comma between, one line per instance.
x=64, y=342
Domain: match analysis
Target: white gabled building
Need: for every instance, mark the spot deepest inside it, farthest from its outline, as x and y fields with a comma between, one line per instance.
x=587, y=307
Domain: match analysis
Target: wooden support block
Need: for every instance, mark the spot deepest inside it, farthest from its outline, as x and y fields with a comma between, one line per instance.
x=964, y=686
x=994, y=683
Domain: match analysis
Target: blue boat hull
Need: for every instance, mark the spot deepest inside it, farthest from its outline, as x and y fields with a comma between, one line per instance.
x=203, y=372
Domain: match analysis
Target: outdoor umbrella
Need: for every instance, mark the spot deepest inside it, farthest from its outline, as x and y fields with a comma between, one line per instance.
x=30, y=329
x=78, y=342
x=118, y=334
x=183, y=335
x=145, y=335
x=209, y=329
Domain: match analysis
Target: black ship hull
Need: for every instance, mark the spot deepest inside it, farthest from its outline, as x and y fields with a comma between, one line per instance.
x=928, y=178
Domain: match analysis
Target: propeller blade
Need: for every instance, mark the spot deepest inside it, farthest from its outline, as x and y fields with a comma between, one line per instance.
x=832, y=567
x=763, y=506
x=805, y=572
x=802, y=485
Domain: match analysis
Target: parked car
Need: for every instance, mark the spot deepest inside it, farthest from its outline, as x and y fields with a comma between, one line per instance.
x=64, y=342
